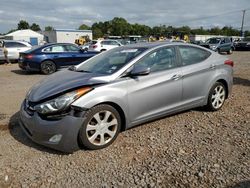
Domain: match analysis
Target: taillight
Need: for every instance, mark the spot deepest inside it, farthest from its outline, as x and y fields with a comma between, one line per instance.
x=94, y=46
x=29, y=56
x=229, y=62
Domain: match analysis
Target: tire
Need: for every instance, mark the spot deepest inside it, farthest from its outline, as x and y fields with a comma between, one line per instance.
x=230, y=51
x=102, y=50
x=48, y=67
x=101, y=127
x=216, y=97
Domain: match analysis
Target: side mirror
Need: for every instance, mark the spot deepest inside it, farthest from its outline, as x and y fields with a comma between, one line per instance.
x=139, y=71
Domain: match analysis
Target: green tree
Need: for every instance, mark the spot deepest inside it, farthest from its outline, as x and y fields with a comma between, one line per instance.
x=48, y=28
x=23, y=25
x=120, y=27
x=35, y=27
x=84, y=27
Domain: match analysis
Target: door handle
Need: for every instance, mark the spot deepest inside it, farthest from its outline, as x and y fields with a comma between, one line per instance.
x=212, y=66
x=176, y=77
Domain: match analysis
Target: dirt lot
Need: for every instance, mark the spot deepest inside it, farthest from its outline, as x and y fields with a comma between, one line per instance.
x=191, y=149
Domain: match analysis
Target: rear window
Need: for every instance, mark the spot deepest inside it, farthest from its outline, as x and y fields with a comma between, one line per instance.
x=14, y=45
x=192, y=55
x=93, y=42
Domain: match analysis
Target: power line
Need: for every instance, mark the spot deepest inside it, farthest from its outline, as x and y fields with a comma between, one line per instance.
x=207, y=17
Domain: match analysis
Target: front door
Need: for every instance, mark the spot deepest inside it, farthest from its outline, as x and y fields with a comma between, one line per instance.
x=159, y=92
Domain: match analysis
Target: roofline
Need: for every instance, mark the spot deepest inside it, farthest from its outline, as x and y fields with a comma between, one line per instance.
x=73, y=30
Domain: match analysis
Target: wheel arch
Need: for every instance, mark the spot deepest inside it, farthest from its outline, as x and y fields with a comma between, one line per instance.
x=49, y=60
x=224, y=82
x=120, y=111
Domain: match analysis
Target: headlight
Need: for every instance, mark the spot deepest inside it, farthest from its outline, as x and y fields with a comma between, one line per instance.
x=60, y=103
x=214, y=47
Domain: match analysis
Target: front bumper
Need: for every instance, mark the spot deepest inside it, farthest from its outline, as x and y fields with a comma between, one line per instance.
x=40, y=130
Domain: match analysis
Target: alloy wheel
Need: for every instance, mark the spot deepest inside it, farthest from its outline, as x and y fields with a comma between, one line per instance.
x=218, y=96
x=102, y=128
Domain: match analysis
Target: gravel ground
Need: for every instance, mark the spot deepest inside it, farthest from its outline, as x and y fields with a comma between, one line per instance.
x=191, y=149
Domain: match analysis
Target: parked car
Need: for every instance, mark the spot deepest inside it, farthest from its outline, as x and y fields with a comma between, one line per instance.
x=14, y=48
x=103, y=45
x=219, y=44
x=244, y=44
x=85, y=46
x=50, y=57
x=90, y=104
x=198, y=42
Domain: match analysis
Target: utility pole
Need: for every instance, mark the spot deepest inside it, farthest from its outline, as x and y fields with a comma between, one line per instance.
x=242, y=23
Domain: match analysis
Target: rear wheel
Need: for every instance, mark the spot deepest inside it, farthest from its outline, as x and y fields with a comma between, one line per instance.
x=48, y=67
x=101, y=127
x=217, y=96
x=102, y=50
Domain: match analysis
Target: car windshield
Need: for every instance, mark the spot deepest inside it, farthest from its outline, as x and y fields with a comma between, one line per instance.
x=111, y=61
x=213, y=41
x=246, y=39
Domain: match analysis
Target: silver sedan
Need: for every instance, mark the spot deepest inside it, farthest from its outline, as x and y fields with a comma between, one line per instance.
x=88, y=105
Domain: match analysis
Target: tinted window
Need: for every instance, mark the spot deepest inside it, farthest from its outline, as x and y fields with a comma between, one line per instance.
x=227, y=40
x=93, y=42
x=71, y=48
x=213, y=40
x=114, y=43
x=14, y=45
x=161, y=59
x=105, y=42
x=192, y=55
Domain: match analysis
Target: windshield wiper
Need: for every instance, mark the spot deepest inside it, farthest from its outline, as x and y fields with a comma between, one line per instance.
x=73, y=68
x=82, y=71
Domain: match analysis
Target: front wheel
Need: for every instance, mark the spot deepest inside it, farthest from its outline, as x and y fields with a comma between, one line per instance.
x=48, y=67
x=230, y=51
x=101, y=127
x=217, y=96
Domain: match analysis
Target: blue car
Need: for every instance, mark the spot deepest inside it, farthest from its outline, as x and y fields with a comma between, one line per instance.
x=50, y=57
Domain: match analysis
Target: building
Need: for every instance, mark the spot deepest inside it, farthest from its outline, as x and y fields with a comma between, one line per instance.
x=205, y=37
x=26, y=35
x=66, y=35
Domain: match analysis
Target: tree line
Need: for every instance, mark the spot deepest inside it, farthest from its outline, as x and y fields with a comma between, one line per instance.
x=120, y=27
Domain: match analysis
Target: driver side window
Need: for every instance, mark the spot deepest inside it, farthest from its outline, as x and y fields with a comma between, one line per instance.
x=159, y=60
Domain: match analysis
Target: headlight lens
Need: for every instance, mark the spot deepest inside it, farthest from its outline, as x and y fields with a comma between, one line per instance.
x=60, y=103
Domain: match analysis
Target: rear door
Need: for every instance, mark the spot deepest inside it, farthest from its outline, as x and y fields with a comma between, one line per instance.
x=160, y=91
x=197, y=74
x=58, y=54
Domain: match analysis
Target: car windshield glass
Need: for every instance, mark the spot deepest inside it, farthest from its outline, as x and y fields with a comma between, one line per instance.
x=213, y=41
x=246, y=39
x=111, y=61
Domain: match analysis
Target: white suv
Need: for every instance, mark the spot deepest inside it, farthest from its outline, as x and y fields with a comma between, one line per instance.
x=14, y=48
x=103, y=45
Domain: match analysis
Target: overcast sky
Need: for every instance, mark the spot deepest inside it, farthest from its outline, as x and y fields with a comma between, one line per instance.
x=69, y=14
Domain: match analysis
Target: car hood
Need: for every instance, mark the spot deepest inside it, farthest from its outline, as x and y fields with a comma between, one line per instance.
x=60, y=82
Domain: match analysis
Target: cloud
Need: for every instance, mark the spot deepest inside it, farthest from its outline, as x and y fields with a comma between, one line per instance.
x=71, y=14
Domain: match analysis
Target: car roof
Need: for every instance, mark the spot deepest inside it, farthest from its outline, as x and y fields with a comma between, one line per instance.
x=50, y=44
